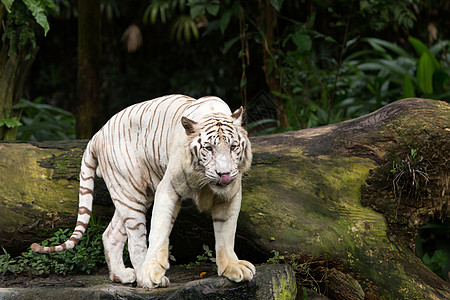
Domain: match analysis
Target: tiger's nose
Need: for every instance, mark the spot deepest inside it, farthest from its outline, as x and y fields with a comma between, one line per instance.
x=225, y=178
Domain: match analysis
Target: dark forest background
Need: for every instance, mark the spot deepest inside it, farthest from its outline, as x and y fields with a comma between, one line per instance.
x=292, y=64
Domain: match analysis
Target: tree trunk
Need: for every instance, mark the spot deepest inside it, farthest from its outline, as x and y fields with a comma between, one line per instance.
x=324, y=198
x=88, y=75
x=13, y=73
x=268, y=24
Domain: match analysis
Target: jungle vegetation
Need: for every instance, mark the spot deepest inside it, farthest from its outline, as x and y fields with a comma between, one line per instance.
x=293, y=64
x=67, y=66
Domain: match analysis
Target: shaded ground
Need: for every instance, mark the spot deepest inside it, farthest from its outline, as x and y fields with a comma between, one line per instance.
x=178, y=273
x=270, y=282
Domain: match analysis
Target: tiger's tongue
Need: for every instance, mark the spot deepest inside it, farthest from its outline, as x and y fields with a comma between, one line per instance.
x=225, y=179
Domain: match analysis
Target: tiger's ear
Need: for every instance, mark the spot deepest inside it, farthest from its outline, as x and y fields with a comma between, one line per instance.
x=237, y=116
x=189, y=125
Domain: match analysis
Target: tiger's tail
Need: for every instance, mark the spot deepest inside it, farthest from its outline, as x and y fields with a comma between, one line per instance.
x=86, y=195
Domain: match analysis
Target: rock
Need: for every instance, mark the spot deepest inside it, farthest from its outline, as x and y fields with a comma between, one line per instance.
x=270, y=282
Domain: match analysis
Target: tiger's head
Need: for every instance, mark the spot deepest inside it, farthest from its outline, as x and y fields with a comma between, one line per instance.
x=219, y=147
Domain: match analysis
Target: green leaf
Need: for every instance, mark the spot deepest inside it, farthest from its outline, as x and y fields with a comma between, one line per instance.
x=243, y=82
x=418, y=45
x=10, y=122
x=421, y=48
x=213, y=7
x=228, y=44
x=408, y=88
x=38, y=11
x=393, y=66
x=8, y=4
x=302, y=41
x=196, y=9
x=426, y=260
x=425, y=72
x=224, y=20
x=376, y=43
x=277, y=4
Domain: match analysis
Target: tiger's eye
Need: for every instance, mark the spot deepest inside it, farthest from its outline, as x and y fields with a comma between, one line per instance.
x=208, y=148
x=233, y=147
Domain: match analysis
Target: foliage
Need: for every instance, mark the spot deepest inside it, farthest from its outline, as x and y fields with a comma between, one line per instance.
x=438, y=262
x=189, y=15
x=390, y=70
x=409, y=174
x=320, y=89
x=276, y=257
x=22, y=22
x=20, y=29
x=311, y=272
x=207, y=255
x=379, y=14
x=319, y=83
x=43, y=122
x=7, y=264
x=10, y=122
x=84, y=258
x=433, y=247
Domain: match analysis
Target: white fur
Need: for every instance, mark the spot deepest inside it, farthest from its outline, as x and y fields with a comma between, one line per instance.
x=160, y=152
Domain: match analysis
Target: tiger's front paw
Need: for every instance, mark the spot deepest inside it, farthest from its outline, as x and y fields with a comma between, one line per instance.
x=153, y=275
x=124, y=276
x=238, y=271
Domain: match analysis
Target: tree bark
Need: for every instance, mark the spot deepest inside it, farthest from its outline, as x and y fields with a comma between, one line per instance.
x=13, y=73
x=88, y=74
x=268, y=23
x=324, y=195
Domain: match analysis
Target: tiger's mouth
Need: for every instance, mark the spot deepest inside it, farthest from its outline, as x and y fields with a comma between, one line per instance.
x=224, y=180
x=218, y=184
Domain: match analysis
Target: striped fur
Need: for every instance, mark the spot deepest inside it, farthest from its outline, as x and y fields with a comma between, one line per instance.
x=163, y=151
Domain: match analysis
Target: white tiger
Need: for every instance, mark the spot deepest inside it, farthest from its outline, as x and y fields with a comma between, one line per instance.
x=163, y=151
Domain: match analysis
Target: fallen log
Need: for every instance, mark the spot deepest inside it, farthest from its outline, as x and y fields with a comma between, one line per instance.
x=332, y=192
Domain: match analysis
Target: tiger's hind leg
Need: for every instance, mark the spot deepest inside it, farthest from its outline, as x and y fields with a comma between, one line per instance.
x=132, y=210
x=114, y=239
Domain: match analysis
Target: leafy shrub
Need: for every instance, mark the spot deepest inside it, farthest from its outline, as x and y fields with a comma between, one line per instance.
x=207, y=256
x=437, y=262
x=43, y=122
x=433, y=247
x=389, y=71
x=320, y=89
x=87, y=255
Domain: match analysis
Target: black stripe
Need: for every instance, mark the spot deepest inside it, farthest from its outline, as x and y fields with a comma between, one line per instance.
x=219, y=220
x=79, y=223
x=175, y=190
x=129, y=207
x=88, y=165
x=136, y=227
x=84, y=210
x=86, y=178
x=86, y=191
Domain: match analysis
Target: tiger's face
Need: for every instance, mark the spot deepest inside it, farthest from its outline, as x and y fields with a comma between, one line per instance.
x=220, y=148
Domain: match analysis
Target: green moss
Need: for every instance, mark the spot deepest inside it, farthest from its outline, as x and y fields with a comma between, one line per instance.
x=65, y=165
x=318, y=201
x=284, y=286
x=317, y=210
x=411, y=186
x=25, y=185
x=299, y=203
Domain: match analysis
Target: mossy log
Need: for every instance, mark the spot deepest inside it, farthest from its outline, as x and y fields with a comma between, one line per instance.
x=329, y=192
